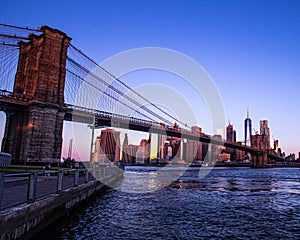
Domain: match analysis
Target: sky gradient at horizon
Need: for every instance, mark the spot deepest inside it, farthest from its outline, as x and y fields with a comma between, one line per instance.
x=250, y=48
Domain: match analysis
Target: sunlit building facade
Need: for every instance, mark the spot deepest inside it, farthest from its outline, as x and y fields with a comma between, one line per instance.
x=142, y=153
x=193, y=149
x=107, y=148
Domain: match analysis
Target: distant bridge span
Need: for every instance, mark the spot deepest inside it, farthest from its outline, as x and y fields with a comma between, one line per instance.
x=11, y=101
x=78, y=114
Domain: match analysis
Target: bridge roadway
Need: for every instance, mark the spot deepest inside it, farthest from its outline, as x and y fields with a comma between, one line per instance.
x=100, y=118
x=10, y=101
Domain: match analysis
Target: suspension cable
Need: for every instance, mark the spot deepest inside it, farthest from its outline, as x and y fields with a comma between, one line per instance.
x=118, y=91
x=118, y=100
x=125, y=85
x=18, y=27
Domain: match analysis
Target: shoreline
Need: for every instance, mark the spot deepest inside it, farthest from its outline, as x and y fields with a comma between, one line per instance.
x=219, y=165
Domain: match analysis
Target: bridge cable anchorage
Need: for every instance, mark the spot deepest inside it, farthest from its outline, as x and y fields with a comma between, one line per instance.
x=118, y=91
x=118, y=100
x=126, y=86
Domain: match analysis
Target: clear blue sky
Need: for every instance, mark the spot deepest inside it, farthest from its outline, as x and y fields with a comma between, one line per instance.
x=250, y=48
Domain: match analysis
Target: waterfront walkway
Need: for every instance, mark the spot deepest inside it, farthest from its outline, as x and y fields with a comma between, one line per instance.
x=16, y=189
x=30, y=201
x=15, y=193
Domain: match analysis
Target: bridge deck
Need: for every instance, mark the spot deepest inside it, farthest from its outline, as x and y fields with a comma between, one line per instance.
x=9, y=101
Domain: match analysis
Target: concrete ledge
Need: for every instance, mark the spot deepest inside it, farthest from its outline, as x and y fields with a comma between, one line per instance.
x=26, y=220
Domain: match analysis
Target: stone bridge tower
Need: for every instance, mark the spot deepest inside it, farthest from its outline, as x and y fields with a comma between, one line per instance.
x=259, y=142
x=34, y=128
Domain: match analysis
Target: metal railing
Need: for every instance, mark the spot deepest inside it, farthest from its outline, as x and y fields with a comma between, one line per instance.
x=5, y=159
x=16, y=189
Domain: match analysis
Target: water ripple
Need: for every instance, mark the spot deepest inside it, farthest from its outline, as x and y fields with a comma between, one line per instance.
x=227, y=203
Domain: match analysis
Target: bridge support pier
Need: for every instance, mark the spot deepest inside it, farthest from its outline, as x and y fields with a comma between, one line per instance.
x=259, y=160
x=34, y=135
x=13, y=134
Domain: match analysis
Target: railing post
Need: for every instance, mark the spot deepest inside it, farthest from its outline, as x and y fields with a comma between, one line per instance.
x=94, y=173
x=104, y=172
x=100, y=173
x=76, y=177
x=2, y=175
x=31, y=194
x=60, y=181
x=86, y=177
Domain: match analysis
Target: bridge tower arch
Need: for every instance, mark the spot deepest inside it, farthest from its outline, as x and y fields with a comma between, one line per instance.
x=33, y=131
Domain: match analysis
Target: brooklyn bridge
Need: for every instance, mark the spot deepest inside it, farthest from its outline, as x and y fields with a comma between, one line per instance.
x=45, y=80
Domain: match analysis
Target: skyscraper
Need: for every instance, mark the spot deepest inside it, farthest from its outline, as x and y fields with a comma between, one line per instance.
x=215, y=149
x=248, y=128
x=194, y=148
x=276, y=145
x=160, y=147
x=230, y=133
x=97, y=151
x=129, y=154
x=175, y=144
x=125, y=142
x=128, y=151
x=107, y=146
x=231, y=137
x=142, y=153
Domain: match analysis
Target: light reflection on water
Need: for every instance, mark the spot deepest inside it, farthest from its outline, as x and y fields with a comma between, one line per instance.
x=227, y=203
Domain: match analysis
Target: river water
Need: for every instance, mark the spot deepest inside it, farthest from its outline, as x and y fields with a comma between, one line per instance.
x=225, y=203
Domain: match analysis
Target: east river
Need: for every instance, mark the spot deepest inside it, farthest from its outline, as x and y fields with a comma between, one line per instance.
x=224, y=203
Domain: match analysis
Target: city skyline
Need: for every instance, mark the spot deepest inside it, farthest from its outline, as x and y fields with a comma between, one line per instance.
x=165, y=147
x=251, y=50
